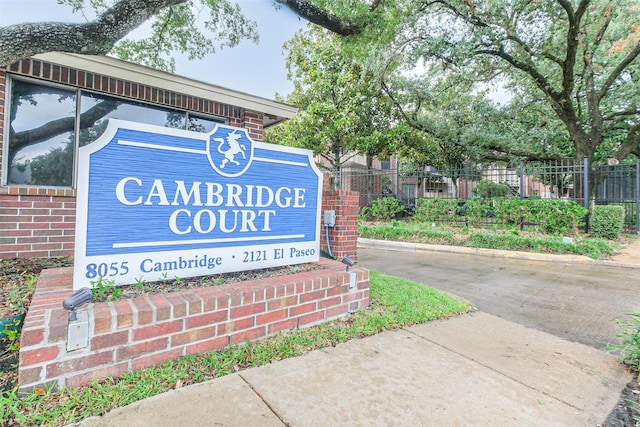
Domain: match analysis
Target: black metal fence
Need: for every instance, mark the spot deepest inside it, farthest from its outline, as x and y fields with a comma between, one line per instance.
x=613, y=184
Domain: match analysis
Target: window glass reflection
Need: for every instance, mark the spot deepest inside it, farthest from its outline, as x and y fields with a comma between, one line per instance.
x=203, y=124
x=43, y=123
x=41, y=135
x=96, y=110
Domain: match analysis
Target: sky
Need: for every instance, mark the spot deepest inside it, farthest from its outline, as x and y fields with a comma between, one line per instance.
x=255, y=69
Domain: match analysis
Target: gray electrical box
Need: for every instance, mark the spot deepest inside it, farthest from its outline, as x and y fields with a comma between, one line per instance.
x=78, y=332
x=330, y=218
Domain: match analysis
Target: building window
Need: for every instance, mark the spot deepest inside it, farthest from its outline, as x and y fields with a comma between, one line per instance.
x=41, y=135
x=96, y=110
x=43, y=123
x=385, y=164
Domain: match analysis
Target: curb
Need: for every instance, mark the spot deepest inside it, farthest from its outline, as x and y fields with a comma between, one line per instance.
x=496, y=253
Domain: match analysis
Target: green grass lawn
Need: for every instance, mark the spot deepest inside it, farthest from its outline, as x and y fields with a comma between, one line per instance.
x=496, y=238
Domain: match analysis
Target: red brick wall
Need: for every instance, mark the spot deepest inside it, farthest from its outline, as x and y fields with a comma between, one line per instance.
x=343, y=238
x=121, y=88
x=253, y=122
x=40, y=221
x=133, y=334
x=37, y=222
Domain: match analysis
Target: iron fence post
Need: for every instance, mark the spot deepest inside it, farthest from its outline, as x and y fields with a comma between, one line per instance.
x=585, y=192
x=521, y=179
x=397, y=179
x=466, y=182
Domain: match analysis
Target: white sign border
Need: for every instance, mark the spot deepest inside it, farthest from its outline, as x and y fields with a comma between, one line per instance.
x=82, y=211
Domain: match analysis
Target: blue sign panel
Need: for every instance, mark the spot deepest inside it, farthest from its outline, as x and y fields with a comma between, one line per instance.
x=156, y=203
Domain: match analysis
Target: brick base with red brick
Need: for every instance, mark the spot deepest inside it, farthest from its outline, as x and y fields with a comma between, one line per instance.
x=136, y=333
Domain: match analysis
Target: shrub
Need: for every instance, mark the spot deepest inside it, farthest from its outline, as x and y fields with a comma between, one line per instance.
x=386, y=208
x=552, y=216
x=487, y=189
x=428, y=210
x=555, y=216
x=477, y=209
x=510, y=210
x=607, y=221
x=364, y=213
x=562, y=216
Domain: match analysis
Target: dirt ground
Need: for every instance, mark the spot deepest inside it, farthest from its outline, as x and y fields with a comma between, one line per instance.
x=629, y=253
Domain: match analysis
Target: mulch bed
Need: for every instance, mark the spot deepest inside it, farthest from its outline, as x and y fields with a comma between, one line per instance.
x=627, y=411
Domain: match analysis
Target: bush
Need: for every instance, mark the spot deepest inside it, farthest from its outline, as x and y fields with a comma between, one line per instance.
x=364, y=213
x=487, y=189
x=561, y=216
x=607, y=221
x=552, y=216
x=386, y=208
x=476, y=210
x=429, y=210
x=510, y=210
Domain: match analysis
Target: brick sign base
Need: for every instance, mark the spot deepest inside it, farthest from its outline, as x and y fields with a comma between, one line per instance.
x=137, y=333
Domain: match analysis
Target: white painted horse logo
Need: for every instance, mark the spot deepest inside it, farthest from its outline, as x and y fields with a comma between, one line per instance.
x=234, y=148
x=230, y=150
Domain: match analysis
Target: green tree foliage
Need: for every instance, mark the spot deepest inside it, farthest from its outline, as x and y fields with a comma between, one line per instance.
x=175, y=24
x=343, y=111
x=579, y=58
x=180, y=28
x=446, y=114
x=194, y=27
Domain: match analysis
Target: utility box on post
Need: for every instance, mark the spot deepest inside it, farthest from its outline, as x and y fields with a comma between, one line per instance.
x=330, y=218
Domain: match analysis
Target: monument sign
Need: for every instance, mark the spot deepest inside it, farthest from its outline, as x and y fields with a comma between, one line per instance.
x=159, y=203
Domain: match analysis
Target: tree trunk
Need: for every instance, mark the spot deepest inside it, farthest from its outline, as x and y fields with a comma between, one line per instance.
x=92, y=38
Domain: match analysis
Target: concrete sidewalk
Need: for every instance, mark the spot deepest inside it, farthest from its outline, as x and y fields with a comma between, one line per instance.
x=474, y=369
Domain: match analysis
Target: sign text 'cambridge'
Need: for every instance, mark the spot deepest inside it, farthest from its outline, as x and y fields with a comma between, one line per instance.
x=158, y=203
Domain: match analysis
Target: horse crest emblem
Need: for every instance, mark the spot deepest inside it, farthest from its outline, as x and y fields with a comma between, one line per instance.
x=230, y=151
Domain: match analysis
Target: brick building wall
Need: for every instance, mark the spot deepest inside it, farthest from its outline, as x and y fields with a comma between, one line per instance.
x=37, y=222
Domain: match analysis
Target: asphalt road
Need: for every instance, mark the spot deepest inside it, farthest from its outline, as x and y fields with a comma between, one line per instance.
x=578, y=302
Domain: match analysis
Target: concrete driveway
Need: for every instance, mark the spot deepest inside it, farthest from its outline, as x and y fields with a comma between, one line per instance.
x=577, y=301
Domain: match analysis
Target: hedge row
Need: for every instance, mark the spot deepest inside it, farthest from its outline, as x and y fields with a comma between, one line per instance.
x=552, y=216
